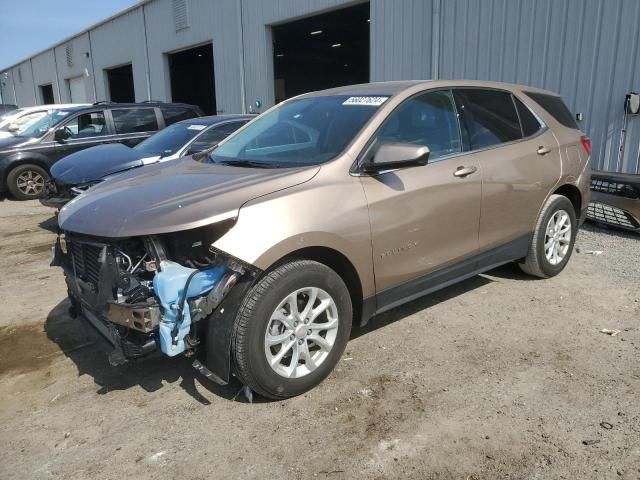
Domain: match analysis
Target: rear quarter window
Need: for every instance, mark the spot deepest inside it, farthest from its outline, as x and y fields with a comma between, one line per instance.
x=529, y=122
x=176, y=113
x=132, y=120
x=555, y=107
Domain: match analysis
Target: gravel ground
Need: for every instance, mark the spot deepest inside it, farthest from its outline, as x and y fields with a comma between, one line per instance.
x=500, y=376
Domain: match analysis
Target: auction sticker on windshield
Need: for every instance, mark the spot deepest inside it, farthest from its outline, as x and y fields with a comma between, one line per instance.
x=371, y=101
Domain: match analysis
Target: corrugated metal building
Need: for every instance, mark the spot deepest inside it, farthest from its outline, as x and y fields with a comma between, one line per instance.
x=587, y=50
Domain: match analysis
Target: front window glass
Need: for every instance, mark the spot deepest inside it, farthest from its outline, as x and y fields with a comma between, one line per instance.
x=38, y=128
x=308, y=131
x=171, y=139
x=429, y=119
x=87, y=125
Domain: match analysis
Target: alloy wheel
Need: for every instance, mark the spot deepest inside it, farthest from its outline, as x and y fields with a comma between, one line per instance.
x=301, y=332
x=30, y=183
x=557, y=237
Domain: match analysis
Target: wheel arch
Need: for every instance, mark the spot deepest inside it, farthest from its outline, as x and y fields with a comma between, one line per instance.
x=18, y=161
x=336, y=261
x=573, y=194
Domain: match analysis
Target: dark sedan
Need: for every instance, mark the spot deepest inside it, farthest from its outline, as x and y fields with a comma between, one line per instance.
x=77, y=172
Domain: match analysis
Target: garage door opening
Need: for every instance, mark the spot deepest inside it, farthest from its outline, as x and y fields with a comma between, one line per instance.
x=120, y=81
x=192, y=77
x=323, y=51
x=46, y=94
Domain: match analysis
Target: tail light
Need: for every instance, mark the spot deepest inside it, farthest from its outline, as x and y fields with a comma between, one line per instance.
x=586, y=144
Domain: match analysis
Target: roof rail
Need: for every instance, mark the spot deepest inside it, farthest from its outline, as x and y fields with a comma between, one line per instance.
x=102, y=102
x=151, y=101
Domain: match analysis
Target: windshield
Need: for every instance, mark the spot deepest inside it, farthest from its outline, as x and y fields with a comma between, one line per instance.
x=309, y=131
x=38, y=128
x=22, y=121
x=171, y=139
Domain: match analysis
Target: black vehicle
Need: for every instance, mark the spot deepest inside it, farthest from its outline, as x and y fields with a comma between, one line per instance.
x=75, y=173
x=6, y=108
x=25, y=159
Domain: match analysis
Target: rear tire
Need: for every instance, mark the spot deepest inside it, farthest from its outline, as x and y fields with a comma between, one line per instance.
x=27, y=182
x=552, y=243
x=291, y=329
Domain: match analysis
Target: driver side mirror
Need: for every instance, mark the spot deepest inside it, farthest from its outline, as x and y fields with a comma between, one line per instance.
x=390, y=156
x=13, y=127
x=61, y=134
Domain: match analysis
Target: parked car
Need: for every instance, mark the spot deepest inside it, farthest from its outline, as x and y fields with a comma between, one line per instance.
x=25, y=158
x=19, y=119
x=6, y=108
x=74, y=174
x=615, y=200
x=327, y=209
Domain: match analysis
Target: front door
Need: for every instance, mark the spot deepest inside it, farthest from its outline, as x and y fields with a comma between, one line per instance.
x=423, y=219
x=85, y=130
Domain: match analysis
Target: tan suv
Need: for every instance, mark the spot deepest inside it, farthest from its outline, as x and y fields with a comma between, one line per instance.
x=325, y=210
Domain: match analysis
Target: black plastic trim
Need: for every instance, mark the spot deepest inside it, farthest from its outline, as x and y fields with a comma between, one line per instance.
x=466, y=268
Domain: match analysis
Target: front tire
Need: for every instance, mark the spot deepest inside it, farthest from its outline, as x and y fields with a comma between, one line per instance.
x=553, y=239
x=27, y=182
x=291, y=329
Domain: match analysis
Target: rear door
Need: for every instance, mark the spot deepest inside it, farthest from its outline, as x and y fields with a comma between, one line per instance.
x=133, y=124
x=519, y=165
x=423, y=218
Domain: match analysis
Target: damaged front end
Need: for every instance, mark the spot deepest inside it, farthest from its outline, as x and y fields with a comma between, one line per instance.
x=155, y=293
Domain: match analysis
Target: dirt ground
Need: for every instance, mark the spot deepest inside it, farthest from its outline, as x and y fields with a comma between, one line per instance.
x=498, y=377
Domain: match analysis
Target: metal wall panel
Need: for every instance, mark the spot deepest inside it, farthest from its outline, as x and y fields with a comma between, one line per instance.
x=257, y=18
x=216, y=22
x=44, y=72
x=80, y=67
x=118, y=42
x=586, y=50
x=401, y=39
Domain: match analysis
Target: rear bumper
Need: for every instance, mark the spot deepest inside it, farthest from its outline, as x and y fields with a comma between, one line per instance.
x=615, y=211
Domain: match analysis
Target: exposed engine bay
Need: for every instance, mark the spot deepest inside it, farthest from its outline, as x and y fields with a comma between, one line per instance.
x=148, y=293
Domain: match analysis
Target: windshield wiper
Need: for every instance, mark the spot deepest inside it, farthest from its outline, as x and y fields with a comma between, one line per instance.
x=245, y=163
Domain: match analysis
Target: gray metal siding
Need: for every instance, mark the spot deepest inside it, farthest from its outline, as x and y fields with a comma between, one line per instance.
x=118, y=42
x=586, y=50
x=215, y=22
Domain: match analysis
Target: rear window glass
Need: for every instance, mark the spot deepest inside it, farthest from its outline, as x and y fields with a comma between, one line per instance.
x=529, y=122
x=556, y=108
x=489, y=117
x=134, y=120
x=175, y=113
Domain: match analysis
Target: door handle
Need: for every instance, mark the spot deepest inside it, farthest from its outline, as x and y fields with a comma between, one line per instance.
x=543, y=150
x=464, y=171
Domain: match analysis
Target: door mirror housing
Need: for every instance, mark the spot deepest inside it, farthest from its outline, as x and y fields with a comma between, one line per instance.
x=61, y=134
x=390, y=156
x=13, y=127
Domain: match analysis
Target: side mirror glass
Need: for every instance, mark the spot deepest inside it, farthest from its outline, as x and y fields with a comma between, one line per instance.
x=61, y=134
x=390, y=156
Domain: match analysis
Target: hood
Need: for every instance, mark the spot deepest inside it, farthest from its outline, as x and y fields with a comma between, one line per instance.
x=11, y=142
x=172, y=196
x=96, y=162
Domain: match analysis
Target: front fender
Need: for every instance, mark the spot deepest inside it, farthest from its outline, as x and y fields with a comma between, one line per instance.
x=323, y=212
